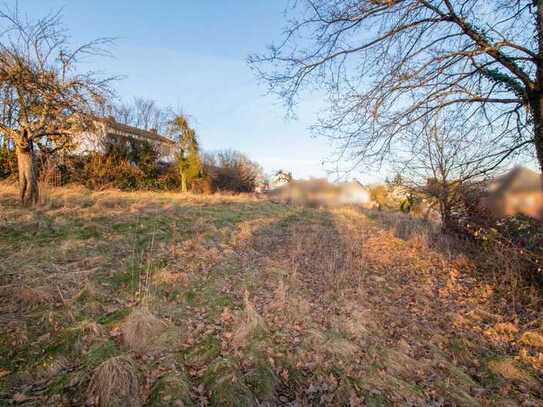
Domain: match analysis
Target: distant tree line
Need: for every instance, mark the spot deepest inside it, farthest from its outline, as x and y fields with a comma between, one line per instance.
x=136, y=164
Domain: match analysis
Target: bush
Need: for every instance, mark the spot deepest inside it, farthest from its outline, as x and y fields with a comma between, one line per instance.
x=106, y=170
x=231, y=171
x=124, y=166
x=379, y=194
x=8, y=161
x=202, y=185
x=168, y=178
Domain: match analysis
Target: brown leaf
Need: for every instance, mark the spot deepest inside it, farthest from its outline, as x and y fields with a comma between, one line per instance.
x=20, y=397
x=226, y=315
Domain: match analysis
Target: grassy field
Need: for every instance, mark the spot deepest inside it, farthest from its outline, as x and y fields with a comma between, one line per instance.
x=156, y=299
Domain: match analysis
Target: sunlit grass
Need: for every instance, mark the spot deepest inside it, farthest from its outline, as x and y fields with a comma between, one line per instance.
x=215, y=298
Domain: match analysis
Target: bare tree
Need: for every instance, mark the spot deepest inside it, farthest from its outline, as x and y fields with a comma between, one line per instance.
x=47, y=101
x=143, y=113
x=123, y=113
x=387, y=64
x=233, y=171
x=443, y=160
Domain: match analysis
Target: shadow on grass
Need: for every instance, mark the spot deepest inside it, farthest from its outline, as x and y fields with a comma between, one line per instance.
x=274, y=304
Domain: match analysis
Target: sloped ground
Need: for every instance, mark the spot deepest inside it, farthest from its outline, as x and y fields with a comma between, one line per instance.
x=158, y=299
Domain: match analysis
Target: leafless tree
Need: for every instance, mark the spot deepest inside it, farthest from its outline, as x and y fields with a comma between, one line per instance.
x=231, y=170
x=387, y=64
x=443, y=161
x=143, y=113
x=122, y=113
x=46, y=100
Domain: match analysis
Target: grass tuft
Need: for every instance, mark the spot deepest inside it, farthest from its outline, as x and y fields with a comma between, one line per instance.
x=114, y=383
x=141, y=329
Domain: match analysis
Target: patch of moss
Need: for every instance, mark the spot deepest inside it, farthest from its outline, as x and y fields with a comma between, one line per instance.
x=203, y=352
x=225, y=385
x=170, y=389
x=98, y=353
x=114, y=317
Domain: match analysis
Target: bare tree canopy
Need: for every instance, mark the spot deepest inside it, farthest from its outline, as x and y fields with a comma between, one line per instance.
x=45, y=100
x=443, y=160
x=387, y=64
x=142, y=113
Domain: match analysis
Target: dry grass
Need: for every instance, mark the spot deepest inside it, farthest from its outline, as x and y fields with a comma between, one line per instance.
x=258, y=302
x=115, y=384
x=249, y=324
x=28, y=298
x=532, y=338
x=141, y=329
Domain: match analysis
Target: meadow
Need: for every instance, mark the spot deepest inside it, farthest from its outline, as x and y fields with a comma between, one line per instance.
x=139, y=298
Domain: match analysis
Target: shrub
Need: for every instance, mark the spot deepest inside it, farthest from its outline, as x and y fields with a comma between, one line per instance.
x=379, y=194
x=8, y=161
x=202, y=185
x=143, y=154
x=232, y=171
x=168, y=178
x=106, y=170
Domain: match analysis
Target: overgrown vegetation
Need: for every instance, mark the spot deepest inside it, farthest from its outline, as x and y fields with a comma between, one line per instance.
x=230, y=170
x=136, y=165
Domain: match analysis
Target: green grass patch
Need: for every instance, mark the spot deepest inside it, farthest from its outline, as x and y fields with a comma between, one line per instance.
x=114, y=317
x=100, y=352
x=171, y=389
x=204, y=352
x=227, y=388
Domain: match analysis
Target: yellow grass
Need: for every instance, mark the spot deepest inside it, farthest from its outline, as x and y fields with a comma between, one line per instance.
x=176, y=298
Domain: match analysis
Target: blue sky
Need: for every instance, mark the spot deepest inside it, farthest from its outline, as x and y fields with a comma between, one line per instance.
x=192, y=54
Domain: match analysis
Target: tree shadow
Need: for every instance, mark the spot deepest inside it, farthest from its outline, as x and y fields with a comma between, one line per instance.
x=351, y=290
x=315, y=306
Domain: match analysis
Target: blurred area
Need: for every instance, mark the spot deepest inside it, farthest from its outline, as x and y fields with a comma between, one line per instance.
x=320, y=192
x=518, y=192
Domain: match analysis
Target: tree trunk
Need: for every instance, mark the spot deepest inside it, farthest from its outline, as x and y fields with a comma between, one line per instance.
x=28, y=181
x=183, y=182
x=537, y=96
x=538, y=131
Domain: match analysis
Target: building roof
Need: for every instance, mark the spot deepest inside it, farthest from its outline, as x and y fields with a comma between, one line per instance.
x=519, y=179
x=112, y=124
x=354, y=184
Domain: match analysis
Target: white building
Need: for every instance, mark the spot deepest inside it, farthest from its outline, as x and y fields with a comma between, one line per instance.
x=110, y=131
x=354, y=193
x=281, y=178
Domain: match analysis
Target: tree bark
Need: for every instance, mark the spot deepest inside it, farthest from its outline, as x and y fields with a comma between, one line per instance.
x=183, y=182
x=537, y=95
x=537, y=111
x=28, y=181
